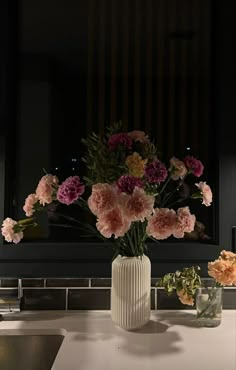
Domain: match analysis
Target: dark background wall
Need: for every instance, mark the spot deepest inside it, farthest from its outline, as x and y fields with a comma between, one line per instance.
x=164, y=66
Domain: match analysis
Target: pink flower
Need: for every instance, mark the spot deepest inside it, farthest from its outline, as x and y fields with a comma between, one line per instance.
x=113, y=222
x=120, y=139
x=139, y=136
x=177, y=168
x=185, y=298
x=46, y=188
x=194, y=165
x=30, y=201
x=138, y=205
x=102, y=199
x=155, y=172
x=70, y=190
x=185, y=222
x=223, y=271
x=161, y=224
x=9, y=232
x=127, y=183
x=205, y=192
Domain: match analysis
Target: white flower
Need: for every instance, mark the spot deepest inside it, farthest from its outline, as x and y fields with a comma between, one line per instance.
x=205, y=192
x=8, y=231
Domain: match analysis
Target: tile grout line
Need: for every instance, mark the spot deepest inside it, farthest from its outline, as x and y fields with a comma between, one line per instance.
x=67, y=290
x=155, y=298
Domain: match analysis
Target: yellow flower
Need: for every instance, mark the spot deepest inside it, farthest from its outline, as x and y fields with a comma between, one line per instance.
x=136, y=164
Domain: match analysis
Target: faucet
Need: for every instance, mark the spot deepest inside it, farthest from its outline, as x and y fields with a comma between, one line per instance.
x=11, y=303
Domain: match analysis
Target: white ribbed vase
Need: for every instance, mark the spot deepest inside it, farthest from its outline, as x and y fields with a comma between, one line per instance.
x=130, y=292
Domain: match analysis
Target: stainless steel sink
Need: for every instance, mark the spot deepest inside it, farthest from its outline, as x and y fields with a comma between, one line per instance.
x=28, y=351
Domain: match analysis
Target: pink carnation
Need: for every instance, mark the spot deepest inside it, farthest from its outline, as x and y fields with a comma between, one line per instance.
x=46, y=188
x=138, y=136
x=161, y=224
x=8, y=231
x=113, y=222
x=127, y=183
x=138, y=205
x=120, y=139
x=185, y=222
x=205, y=192
x=223, y=271
x=30, y=201
x=194, y=165
x=102, y=199
x=70, y=190
x=155, y=172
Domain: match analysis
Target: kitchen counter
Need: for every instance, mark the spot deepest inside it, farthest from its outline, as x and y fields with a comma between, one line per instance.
x=171, y=340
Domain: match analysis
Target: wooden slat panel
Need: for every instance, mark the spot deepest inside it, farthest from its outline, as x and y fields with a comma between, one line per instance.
x=113, y=61
x=184, y=44
x=148, y=70
x=205, y=79
x=159, y=47
x=90, y=79
x=196, y=97
x=101, y=66
x=148, y=65
x=125, y=64
x=137, y=56
x=171, y=77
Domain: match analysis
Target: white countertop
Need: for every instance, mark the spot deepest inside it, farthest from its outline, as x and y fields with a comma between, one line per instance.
x=171, y=340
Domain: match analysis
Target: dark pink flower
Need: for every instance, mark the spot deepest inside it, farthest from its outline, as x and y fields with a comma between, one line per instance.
x=70, y=190
x=194, y=165
x=120, y=139
x=127, y=183
x=156, y=172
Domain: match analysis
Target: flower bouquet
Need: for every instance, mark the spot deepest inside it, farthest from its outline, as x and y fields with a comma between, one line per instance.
x=133, y=196
x=188, y=284
x=131, y=193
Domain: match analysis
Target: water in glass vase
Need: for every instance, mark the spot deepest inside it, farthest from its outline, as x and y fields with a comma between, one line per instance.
x=209, y=306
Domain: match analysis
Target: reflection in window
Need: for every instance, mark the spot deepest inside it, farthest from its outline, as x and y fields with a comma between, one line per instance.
x=86, y=64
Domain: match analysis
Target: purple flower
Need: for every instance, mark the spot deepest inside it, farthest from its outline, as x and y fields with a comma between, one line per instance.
x=127, y=183
x=155, y=172
x=120, y=139
x=194, y=165
x=70, y=190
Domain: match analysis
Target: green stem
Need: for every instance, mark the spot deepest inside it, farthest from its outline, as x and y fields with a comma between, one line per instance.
x=211, y=297
x=173, y=192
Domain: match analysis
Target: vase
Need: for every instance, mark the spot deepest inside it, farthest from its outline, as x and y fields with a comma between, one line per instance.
x=209, y=306
x=130, y=292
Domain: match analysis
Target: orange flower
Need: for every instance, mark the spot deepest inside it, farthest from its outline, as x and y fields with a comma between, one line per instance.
x=135, y=164
x=223, y=270
x=185, y=298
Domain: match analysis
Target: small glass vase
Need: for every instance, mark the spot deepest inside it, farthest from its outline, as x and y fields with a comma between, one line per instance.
x=209, y=306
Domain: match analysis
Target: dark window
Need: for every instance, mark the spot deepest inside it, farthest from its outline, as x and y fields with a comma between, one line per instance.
x=72, y=67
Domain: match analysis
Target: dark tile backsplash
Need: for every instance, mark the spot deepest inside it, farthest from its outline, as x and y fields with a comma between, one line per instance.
x=67, y=283
x=87, y=294
x=103, y=282
x=44, y=299
x=85, y=299
x=36, y=283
